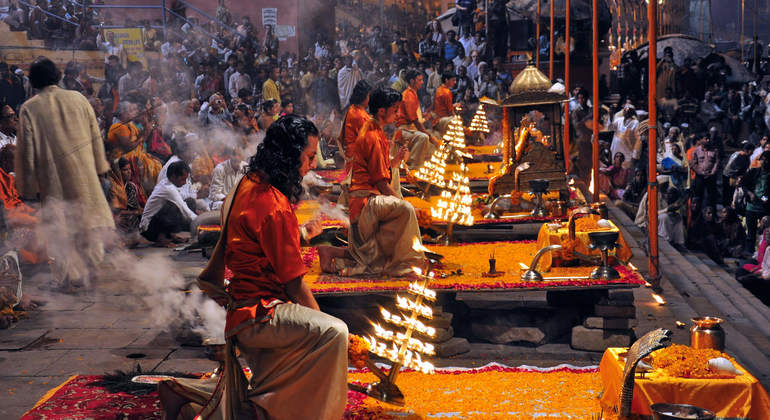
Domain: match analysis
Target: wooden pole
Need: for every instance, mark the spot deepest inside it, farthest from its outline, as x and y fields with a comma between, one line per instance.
x=566, y=85
x=537, y=37
x=756, y=38
x=652, y=148
x=700, y=17
x=551, y=45
x=596, y=104
x=743, y=25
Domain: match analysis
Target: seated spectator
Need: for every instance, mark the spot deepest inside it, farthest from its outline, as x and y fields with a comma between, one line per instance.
x=166, y=213
x=126, y=198
x=225, y=177
x=614, y=178
x=705, y=233
x=670, y=220
x=733, y=234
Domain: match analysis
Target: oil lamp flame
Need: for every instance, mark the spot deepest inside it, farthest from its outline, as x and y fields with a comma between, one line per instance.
x=658, y=298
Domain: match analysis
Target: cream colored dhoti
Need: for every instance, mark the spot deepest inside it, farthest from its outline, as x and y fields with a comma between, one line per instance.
x=381, y=242
x=419, y=144
x=298, y=361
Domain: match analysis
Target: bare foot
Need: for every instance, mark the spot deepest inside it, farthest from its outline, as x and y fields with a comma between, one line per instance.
x=327, y=254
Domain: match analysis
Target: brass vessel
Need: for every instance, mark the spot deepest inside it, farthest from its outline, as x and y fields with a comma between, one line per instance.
x=706, y=333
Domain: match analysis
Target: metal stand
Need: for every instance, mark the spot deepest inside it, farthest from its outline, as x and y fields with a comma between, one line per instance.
x=604, y=242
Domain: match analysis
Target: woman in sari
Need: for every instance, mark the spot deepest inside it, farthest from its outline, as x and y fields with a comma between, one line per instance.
x=125, y=139
x=126, y=198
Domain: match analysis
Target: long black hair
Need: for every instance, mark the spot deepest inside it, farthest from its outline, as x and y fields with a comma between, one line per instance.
x=279, y=156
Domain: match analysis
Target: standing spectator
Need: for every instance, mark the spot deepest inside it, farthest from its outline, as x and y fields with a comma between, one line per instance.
x=239, y=80
x=270, y=87
x=130, y=84
x=347, y=78
x=59, y=157
x=452, y=47
x=705, y=163
x=270, y=44
x=498, y=27
x=735, y=168
x=465, y=10
x=11, y=88
x=756, y=185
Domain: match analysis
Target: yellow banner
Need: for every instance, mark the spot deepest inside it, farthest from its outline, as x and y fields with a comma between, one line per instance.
x=132, y=41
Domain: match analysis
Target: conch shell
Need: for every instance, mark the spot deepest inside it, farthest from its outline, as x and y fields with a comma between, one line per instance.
x=603, y=223
x=720, y=364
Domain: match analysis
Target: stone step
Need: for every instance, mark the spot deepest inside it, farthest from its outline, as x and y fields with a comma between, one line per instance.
x=452, y=347
x=733, y=297
x=598, y=340
x=728, y=278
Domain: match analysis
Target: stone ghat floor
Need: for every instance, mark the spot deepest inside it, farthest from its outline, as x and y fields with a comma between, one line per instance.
x=110, y=328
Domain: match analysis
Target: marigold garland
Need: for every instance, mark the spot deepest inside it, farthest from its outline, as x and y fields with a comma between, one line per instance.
x=358, y=351
x=686, y=362
x=492, y=392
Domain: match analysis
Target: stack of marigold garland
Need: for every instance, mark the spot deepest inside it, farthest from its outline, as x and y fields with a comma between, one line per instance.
x=686, y=362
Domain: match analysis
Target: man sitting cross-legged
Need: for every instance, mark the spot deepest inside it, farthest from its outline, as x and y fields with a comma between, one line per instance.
x=384, y=228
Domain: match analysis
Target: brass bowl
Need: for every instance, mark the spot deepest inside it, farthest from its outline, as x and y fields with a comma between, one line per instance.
x=666, y=411
x=706, y=321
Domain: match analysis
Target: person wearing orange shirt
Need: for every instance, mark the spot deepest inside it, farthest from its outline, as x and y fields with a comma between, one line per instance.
x=383, y=226
x=409, y=121
x=292, y=348
x=443, y=105
x=355, y=118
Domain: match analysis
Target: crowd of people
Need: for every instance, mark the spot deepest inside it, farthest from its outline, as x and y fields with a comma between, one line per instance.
x=228, y=131
x=713, y=160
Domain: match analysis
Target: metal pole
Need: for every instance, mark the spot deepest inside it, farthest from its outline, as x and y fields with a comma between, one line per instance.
x=595, y=94
x=537, y=38
x=700, y=17
x=652, y=148
x=163, y=18
x=486, y=21
x=566, y=85
x=756, y=37
x=743, y=25
x=551, y=45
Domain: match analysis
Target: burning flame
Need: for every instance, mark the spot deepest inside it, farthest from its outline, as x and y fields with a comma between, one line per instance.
x=658, y=298
x=591, y=188
x=418, y=246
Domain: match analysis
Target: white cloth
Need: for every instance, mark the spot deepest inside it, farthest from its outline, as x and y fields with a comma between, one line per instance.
x=165, y=191
x=237, y=82
x=766, y=264
x=346, y=81
x=6, y=139
x=223, y=180
x=625, y=137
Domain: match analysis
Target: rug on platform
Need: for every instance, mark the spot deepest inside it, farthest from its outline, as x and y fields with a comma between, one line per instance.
x=463, y=268
x=490, y=392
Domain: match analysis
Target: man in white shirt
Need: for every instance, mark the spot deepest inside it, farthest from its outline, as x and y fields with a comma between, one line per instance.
x=225, y=177
x=8, y=122
x=165, y=212
x=347, y=78
x=239, y=80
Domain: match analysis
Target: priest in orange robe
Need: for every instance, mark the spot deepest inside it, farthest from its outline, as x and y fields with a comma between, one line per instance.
x=293, y=349
x=383, y=227
x=410, y=123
